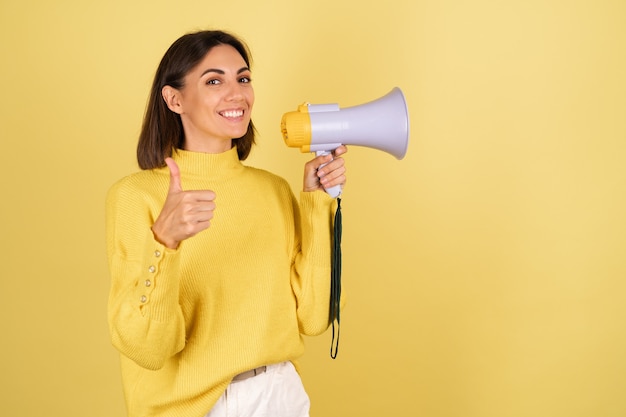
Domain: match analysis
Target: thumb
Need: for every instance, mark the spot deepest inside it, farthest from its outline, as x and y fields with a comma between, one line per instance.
x=175, y=184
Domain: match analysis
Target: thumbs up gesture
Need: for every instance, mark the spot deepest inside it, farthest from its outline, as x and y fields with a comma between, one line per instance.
x=184, y=213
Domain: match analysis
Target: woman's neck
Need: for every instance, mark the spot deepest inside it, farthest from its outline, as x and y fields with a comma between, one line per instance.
x=214, y=146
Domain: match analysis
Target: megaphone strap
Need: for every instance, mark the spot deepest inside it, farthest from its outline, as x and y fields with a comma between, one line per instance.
x=335, y=280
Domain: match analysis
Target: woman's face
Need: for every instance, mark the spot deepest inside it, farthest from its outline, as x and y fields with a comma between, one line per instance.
x=216, y=101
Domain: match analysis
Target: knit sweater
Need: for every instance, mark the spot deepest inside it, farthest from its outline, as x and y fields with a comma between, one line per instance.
x=234, y=297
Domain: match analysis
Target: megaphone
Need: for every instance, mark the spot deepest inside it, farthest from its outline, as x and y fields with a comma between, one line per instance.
x=381, y=124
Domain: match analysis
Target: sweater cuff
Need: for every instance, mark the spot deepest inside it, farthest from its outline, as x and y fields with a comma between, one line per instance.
x=317, y=210
x=158, y=288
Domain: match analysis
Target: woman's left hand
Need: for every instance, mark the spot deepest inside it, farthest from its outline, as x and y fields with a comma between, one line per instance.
x=333, y=173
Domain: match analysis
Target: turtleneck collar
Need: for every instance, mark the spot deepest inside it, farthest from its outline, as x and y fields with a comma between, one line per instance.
x=209, y=165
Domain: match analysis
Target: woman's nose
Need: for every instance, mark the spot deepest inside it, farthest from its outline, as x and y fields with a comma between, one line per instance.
x=235, y=92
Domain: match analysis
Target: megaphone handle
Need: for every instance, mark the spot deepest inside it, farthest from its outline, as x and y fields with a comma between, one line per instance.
x=334, y=191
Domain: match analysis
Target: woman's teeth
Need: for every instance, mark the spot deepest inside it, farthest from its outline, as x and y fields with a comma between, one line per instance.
x=232, y=113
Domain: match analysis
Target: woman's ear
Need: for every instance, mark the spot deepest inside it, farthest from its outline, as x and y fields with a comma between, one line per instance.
x=172, y=99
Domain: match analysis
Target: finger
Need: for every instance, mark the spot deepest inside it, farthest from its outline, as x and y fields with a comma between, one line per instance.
x=321, y=160
x=175, y=183
x=191, y=229
x=194, y=222
x=200, y=207
x=335, y=177
x=200, y=195
x=204, y=216
x=340, y=150
x=331, y=166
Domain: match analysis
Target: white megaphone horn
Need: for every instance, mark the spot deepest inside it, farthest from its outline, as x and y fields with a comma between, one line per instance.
x=381, y=124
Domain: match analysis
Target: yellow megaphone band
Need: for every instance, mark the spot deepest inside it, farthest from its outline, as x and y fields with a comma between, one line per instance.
x=296, y=128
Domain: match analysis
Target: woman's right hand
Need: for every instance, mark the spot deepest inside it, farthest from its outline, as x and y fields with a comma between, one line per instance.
x=185, y=213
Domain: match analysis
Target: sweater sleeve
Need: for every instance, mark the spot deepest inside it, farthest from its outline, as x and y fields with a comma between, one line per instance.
x=145, y=319
x=312, y=261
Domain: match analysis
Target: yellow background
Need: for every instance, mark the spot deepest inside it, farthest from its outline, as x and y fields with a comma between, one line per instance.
x=485, y=273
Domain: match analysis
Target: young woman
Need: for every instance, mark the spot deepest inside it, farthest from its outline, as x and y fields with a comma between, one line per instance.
x=216, y=269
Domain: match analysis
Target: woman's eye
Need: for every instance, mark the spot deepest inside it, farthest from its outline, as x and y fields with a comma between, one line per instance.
x=213, y=81
x=245, y=80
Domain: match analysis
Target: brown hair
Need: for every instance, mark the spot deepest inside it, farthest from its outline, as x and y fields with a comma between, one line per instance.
x=162, y=130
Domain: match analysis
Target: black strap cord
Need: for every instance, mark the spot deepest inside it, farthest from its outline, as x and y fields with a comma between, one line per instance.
x=335, y=280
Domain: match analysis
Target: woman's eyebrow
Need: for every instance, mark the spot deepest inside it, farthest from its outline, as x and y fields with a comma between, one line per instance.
x=221, y=72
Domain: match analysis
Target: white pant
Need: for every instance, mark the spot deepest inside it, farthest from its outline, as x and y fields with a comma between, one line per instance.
x=278, y=392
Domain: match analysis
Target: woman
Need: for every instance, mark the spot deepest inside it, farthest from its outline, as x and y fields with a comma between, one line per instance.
x=216, y=269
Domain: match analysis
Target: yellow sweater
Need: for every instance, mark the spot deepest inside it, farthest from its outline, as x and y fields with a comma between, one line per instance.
x=234, y=297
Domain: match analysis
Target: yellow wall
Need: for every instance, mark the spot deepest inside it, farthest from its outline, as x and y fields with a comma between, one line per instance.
x=485, y=273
